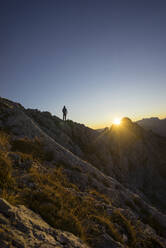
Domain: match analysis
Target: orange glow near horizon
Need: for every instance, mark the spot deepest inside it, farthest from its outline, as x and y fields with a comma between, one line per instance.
x=107, y=123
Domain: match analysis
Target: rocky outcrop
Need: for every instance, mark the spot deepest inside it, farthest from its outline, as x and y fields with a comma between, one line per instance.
x=21, y=227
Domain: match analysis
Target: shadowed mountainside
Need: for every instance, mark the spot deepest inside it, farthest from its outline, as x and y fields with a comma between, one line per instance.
x=155, y=124
x=94, y=185
x=138, y=157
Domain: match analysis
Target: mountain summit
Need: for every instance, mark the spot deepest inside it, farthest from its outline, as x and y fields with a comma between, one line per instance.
x=63, y=184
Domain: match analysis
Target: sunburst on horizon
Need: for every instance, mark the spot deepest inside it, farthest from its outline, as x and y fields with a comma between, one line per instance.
x=117, y=121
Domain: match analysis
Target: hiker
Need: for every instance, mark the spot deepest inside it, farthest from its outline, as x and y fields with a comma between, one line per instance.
x=64, y=110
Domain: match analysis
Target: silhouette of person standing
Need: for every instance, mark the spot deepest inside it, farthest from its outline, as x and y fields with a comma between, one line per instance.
x=64, y=111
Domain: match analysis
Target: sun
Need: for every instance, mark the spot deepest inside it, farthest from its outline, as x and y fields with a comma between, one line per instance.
x=117, y=121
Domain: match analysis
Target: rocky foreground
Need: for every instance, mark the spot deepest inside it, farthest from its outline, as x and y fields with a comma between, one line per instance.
x=66, y=185
x=21, y=227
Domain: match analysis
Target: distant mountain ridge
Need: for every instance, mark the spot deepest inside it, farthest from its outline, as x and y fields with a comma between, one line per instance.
x=155, y=124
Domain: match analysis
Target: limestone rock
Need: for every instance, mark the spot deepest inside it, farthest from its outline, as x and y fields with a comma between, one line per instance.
x=22, y=228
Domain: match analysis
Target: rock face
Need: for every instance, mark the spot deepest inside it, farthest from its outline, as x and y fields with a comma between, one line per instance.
x=21, y=227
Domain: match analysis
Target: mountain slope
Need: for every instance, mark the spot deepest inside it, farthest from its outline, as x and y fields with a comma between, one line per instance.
x=69, y=193
x=155, y=124
x=127, y=152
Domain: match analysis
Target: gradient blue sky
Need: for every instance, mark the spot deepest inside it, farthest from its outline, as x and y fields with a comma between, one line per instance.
x=101, y=58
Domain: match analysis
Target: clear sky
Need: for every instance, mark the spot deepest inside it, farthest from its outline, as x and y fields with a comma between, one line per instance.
x=101, y=58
